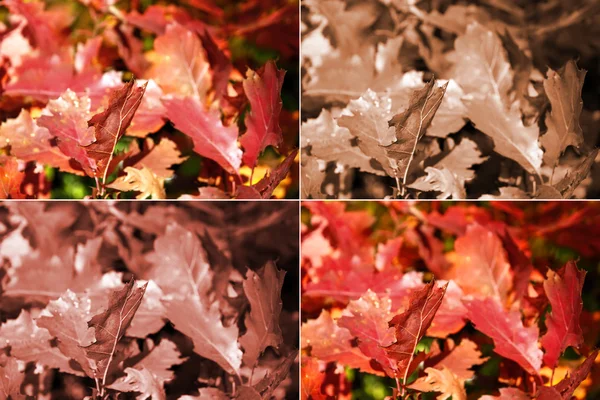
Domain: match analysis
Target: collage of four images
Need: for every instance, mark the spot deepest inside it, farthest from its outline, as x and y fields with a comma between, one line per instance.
x=299, y=199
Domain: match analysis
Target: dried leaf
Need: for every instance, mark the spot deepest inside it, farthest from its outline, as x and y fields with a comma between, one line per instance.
x=443, y=381
x=412, y=324
x=110, y=325
x=411, y=125
x=111, y=124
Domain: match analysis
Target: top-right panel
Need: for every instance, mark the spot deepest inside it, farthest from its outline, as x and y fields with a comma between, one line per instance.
x=443, y=99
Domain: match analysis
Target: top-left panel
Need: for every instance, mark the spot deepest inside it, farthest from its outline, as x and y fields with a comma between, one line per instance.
x=149, y=99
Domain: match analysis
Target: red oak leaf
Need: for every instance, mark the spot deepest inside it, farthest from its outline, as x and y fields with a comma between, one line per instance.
x=511, y=339
x=458, y=359
x=563, y=289
x=11, y=179
x=450, y=317
x=367, y=319
x=203, y=325
x=110, y=326
x=159, y=158
x=67, y=320
x=564, y=389
x=28, y=343
x=266, y=186
x=30, y=142
x=157, y=16
x=441, y=380
x=151, y=113
x=263, y=290
x=66, y=118
x=110, y=125
x=263, y=90
x=412, y=324
x=312, y=379
x=325, y=340
x=211, y=138
x=181, y=67
x=481, y=266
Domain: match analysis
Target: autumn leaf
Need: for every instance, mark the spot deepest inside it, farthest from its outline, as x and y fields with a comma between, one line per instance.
x=67, y=320
x=511, y=339
x=443, y=381
x=367, y=319
x=563, y=88
x=211, y=138
x=141, y=381
x=265, y=188
x=181, y=67
x=263, y=290
x=440, y=180
x=565, y=388
x=330, y=142
x=412, y=324
x=262, y=89
x=158, y=157
x=563, y=289
x=485, y=75
x=28, y=343
x=140, y=180
x=202, y=323
x=66, y=118
x=480, y=264
x=331, y=343
x=150, y=115
x=508, y=394
x=30, y=142
x=110, y=326
x=111, y=124
x=411, y=125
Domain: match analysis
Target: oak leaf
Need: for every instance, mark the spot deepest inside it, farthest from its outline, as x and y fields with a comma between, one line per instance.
x=151, y=113
x=202, y=323
x=263, y=290
x=485, y=75
x=480, y=264
x=110, y=325
x=67, y=320
x=29, y=343
x=563, y=88
x=330, y=142
x=66, y=118
x=443, y=381
x=262, y=89
x=181, y=67
x=141, y=380
x=111, y=124
x=412, y=324
x=140, y=180
x=411, y=126
x=564, y=389
x=441, y=180
x=211, y=138
x=511, y=339
x=367, y=319
x=563, y=289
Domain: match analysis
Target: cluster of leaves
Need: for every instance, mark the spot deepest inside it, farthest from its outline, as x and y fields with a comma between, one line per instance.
x=449, y=99
x=199, y=322
x=462, y=300
x=66, y=111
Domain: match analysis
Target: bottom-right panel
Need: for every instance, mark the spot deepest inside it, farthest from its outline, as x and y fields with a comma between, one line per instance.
x=461, y=300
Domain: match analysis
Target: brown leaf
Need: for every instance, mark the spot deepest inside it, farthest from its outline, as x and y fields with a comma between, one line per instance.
x=111, y=325
x=563, y=88
x=412, y=324
x=411, y=126
x=110, y=125
x=263, y=290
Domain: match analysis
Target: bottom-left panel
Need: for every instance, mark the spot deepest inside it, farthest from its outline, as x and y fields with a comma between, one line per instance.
x=161, y=300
